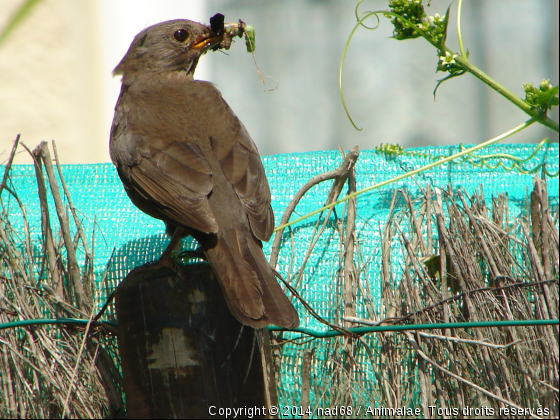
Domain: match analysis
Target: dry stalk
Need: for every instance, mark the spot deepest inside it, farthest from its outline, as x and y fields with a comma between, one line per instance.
x=49, y=371
x=485, y=266
x=339, y=176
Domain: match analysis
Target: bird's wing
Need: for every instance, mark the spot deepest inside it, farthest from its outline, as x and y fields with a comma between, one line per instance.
x=174, y=173
x=241, y=163
x=165, y=178
x=178, y=179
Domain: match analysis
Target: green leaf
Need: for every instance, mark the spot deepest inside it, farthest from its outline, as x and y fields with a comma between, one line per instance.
x=445, y=23
x=452, y=75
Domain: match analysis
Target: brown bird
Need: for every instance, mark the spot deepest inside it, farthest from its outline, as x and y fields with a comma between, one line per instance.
x=185, y=158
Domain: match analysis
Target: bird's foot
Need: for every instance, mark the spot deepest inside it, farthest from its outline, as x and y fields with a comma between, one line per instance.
x=166, y=260
x=188, y=255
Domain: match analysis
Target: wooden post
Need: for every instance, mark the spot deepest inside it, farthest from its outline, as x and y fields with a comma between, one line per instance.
x=183, y=354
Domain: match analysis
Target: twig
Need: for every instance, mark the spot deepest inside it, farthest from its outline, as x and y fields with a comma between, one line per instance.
x=494, y=269
x=77, y=221
x=457, y=377
x=533, y=377
x=77, y=365
x=340, y=175
x=9, y=163
x=305, y=376
x=51, y=255
x=350, y=285
x=312, y=311
x=73, y=269
x=37, y=364
x=463, y=340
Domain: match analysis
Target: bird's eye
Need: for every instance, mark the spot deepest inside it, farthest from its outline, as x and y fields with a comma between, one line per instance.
x=181, y=35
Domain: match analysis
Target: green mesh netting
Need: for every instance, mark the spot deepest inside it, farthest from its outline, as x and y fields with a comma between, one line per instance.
x=125, y=238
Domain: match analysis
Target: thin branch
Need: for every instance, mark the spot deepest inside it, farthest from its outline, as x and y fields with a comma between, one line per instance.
x=340, y=175
x=418, y=350
x=464, y=340
x=73, y=268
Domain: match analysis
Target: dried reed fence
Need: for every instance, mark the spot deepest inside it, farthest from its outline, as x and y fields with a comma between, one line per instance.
x=51, y=371
x=488, y=268
x=463, y=262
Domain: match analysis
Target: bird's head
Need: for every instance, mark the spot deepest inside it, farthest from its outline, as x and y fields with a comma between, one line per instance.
x=172, y=46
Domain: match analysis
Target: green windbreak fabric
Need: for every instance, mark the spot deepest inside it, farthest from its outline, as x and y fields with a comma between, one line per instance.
x=122, y=237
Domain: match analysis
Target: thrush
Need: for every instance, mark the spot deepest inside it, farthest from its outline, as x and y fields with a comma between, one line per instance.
x=184, y=157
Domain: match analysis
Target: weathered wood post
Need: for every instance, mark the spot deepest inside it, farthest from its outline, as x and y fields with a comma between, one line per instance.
x=183, y=354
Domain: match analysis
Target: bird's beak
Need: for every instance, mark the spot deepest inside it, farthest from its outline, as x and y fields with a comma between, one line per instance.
x=207, y=41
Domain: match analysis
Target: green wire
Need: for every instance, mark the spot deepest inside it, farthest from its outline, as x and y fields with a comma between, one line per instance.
x=27, y=322
x=384, y=328
x=316, y=333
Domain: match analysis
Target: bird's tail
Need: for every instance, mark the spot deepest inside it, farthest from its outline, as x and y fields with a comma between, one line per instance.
x=250, y=288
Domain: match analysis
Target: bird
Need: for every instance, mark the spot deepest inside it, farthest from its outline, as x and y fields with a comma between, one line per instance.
x=184, y=157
